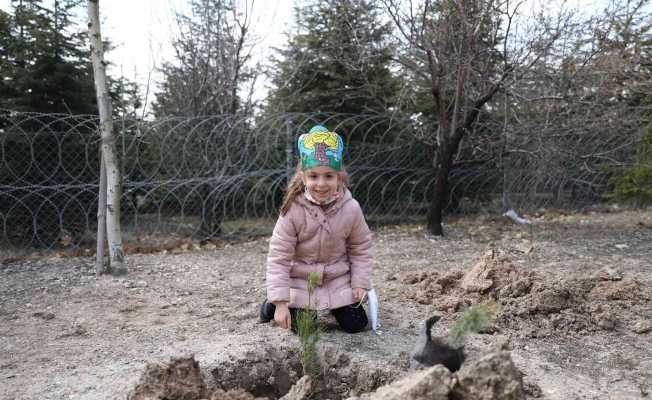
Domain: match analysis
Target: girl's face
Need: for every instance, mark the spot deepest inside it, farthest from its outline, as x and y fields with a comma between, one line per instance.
x=322, y=182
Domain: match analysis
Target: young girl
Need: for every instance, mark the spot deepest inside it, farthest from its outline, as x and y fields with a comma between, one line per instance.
x=321, y=229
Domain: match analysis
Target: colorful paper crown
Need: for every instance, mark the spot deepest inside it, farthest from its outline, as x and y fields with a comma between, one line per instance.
x=319, y=147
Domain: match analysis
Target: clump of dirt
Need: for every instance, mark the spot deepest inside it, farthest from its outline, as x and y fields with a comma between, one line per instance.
x=181, y=379
x=490, y=377
x=301, y=390
x=493, y=376
x=532, y=305
x=267, y=372
x=490, y=278
x=433, y=383
x=237, y=394
x=575, y=306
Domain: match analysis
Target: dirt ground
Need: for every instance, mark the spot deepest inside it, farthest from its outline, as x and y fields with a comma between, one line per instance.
x=574, y=294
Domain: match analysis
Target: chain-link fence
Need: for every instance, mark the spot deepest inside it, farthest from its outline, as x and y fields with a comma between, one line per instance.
x=221, y=176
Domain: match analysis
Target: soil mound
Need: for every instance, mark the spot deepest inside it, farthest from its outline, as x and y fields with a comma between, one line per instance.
x=532, y=305
x=490, y=377
x=493, y=376
x=455, y=289
x=180, y=379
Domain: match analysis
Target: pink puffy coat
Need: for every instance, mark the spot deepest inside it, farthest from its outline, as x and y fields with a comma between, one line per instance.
x=335, y=243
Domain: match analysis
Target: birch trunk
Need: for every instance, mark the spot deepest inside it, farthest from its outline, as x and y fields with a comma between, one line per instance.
x=101, y=221
x=114, y=234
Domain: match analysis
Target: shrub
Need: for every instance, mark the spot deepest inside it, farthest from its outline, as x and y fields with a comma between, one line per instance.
x=633, y=184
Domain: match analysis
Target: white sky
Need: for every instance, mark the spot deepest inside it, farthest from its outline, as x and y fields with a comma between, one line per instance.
x=142, y=32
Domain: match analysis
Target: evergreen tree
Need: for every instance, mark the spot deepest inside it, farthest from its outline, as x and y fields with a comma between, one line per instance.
x=337, y=62
x=7, y=45
x=45, y=68
x=45, y=63
x=50, y=70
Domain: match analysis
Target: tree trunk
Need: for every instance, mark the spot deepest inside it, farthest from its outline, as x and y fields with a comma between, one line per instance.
x=442, y=166
x=101, y=221
x=114, y=234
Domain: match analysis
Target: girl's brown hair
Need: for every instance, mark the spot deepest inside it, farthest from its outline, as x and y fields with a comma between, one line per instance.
x=296, y=187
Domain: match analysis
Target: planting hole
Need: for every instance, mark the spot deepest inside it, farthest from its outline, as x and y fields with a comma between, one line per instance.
x=265, y=372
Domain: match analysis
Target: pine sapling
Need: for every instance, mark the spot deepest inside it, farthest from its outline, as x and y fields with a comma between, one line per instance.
x=309, y=331
x=475, y=319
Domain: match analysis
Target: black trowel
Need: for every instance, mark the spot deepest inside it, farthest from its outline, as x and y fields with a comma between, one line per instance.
x=429, y=351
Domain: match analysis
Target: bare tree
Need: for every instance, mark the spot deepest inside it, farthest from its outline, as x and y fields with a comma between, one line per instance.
x=577, y=118
x=467, y=52
x=109, y=158
x=210, y=66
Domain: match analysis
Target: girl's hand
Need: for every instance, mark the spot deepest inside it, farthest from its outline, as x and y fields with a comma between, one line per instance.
x=282, y=315
x=359, y=294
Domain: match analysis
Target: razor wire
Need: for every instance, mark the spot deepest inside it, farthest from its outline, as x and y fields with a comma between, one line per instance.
x=565, y=158
x=223, y=176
